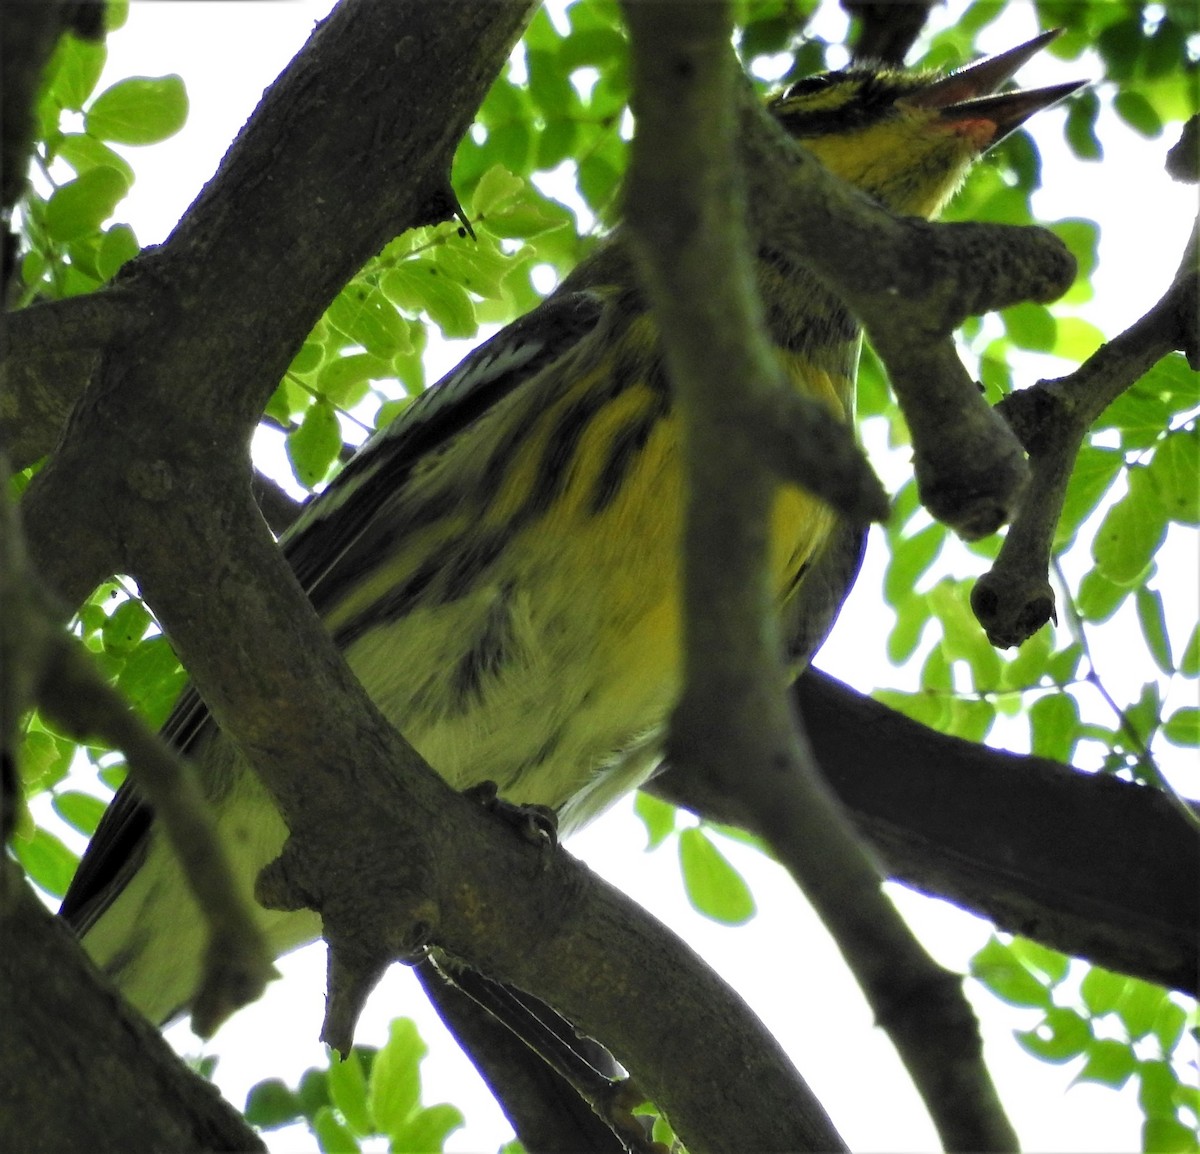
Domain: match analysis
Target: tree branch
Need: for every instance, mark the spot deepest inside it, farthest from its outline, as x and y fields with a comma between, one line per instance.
x=685, y=217
x=1085, y=863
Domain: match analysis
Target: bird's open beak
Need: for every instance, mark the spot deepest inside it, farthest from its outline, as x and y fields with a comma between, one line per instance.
x=967, y=95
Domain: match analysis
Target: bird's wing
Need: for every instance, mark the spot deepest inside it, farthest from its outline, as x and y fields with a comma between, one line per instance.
x=328, y=526
x=810, y=614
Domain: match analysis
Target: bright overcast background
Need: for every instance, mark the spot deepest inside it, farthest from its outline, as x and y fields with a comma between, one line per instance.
x=782, y=962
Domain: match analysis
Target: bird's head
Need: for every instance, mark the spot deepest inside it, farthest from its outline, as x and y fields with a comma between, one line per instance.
x=908, y=138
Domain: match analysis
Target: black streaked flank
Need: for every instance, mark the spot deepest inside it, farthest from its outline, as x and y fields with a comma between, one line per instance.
x=623, y=451
x=486, y=656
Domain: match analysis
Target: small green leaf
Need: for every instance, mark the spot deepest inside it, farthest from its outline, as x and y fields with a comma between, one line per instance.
x=394, y=1092
x=1139, y=1006
x=74, y=70
x=46, y=860
x=1138, y=113
x=315, y=445
x=1189, y=664
x=1048, y=962
x=998, y=968
x=118, y=246
x=713, y=886
x=657, y=816
x=1168, y=1136
x=1101, y=990
x=125, y=628
x=44, y=760
x=83, y=152
x=332, y=1137
x=1109, y=1062
x=420, y=285
x=1183, y=726
x=1174, y=472
x=80, y=811
x=1131, y=532
x=1098, y=598
x=1153, y=620
x=1054, y=726
x=1156, y=1090
x=1169, y=1025
x=427, y=1130
x=1060, y=1036
x=496, y=188
x=139, y=110
x=82, y=205
x=348, y=1092
x=270, y=1104
x=370, y=319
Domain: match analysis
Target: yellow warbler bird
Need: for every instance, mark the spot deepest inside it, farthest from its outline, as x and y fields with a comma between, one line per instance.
x=500, y=566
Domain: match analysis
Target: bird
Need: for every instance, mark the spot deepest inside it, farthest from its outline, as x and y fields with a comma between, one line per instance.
x=500, y=566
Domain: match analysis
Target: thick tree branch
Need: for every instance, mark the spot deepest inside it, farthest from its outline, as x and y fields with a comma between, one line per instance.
x=104, y=1078
x=1085, y=863
x=139, y=486
x=685, y=217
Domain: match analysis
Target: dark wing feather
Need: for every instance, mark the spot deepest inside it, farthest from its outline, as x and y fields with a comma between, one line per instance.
x=327, y=528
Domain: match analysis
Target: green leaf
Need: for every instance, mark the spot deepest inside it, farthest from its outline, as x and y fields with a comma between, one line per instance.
x=315, y=445
x=139, y=110
x=1139, y=1006
x=420, y=285
x=83, y=152
x=911, y=618
x=118, y=246
x=271, y=1104
x=427, y=1130
x=911, y=558
x=1046, y=961
x=369, y=318
x=1101, y=990
x=962, y=637
x=1169, y=1025
x=1189, y=663
x=1183, y=726
x=1109, y=1062
x=1098, y=598
x=345, y=380
x=496, y=188
x=82, y=205
x=1156, y=1090
x=74, y=70
x=1030, y=326
x=80, y=811
x=998, y=968
x=1054, y=726
x=1168, y=1136
x=1080, y=127
x=713, y=886
x=332, y=1137
x=1153, y=620
x=1131, y=532
x=44, y=760
x=657, y=816
x=1060, y=1036
x=1138, y=113
x=1174, y=472
x=348, y=1092
x=46, y=860
x=125, y=628
x=394, y=1091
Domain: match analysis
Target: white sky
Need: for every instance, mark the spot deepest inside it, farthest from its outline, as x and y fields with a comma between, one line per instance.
x=782, y=962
